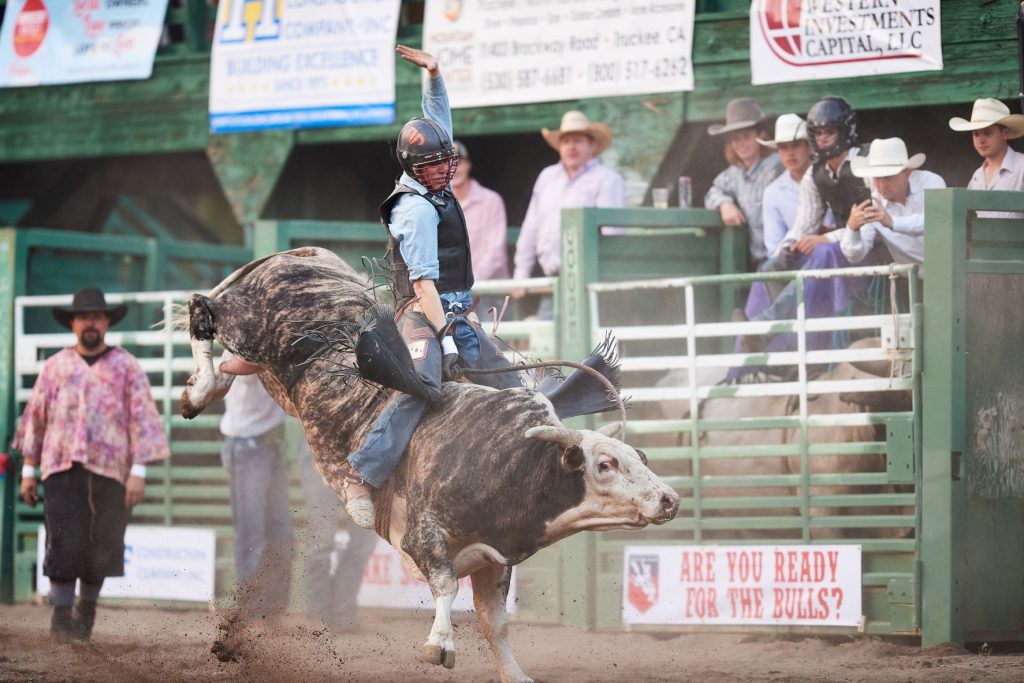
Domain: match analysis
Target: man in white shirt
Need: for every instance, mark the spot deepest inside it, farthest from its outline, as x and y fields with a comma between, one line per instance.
x=991, y=127
x=782, y=196
x=578, y=180
x=895, y=213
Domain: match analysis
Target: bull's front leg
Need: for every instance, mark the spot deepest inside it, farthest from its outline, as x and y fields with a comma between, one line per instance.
x=490, y=594
x=199, y=387
x=426, y=543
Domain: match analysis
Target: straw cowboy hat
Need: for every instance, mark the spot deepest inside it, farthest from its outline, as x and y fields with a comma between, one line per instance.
x=988, y=111
x=577, y=122
x=788, y=128
x=886, y=157
x=89, y=300
x=743, y=112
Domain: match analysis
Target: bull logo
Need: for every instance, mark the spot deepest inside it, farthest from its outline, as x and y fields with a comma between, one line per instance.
x=414, y=137
x=643, y=582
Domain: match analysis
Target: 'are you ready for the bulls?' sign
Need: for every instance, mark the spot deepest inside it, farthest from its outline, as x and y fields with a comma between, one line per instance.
x=799, y=40
x=745, y=585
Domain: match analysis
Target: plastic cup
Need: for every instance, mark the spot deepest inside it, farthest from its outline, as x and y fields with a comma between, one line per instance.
x=659, y=197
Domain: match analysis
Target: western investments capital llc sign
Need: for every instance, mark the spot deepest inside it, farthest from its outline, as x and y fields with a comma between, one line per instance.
x=797, y=40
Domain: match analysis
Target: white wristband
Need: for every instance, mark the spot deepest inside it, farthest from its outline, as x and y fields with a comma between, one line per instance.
x=138, y=471
x=448, y=345
x=28, y=471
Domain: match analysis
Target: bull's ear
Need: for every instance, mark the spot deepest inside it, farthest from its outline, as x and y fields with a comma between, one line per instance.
x=643, y=456
x=573, y=459
x=610, y=429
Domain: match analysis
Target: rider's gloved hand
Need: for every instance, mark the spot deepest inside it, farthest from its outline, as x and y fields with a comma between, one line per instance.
x=452, y=364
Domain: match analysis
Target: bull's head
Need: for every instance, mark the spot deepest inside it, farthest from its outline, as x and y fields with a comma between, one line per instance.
x=621, y=491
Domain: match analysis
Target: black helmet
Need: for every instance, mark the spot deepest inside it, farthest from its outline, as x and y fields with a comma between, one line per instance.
x=422, y=143
x=832, y=112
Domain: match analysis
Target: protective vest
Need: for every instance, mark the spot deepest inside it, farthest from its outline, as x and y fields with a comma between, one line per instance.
x=840, y=193
x=454, y=260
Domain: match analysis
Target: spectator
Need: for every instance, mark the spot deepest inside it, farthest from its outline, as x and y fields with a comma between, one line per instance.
x=578, y=180
x=895, y=214
x=737, y=192
x=258, y=477
x=91, y=426
x=484, y=210
x=782, y=196
x=991, y=126
x=330, y=598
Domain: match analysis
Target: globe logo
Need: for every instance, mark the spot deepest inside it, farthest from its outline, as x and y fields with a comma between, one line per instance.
x=780, y=26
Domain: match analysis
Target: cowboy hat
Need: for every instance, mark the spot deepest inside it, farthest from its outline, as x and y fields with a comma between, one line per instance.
x=886, y=157
x=577, y=122
x=743, y=112
x=986, y=112
x=88, y=300
x=788, y=128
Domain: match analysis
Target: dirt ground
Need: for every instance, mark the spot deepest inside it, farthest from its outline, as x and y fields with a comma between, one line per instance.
x=134, y=644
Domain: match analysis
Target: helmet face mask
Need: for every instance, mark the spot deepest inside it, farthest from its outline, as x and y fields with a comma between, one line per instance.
x=423, y=149
x=831, y=114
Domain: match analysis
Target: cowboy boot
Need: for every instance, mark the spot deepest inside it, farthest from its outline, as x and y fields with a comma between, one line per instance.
x=358, y=500
x=62, y=625
x=85, y=616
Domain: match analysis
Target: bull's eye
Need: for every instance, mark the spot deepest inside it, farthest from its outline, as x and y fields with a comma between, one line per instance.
x=609, y=465
x=643, y=456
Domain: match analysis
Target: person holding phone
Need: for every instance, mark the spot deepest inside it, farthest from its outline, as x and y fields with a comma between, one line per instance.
x=894, y=214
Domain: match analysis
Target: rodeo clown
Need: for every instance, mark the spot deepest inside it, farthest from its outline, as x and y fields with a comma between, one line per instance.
x=433, y=274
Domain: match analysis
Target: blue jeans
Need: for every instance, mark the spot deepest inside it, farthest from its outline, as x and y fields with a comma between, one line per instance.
x=330, y=598
x=263, y=525
x=391, y=434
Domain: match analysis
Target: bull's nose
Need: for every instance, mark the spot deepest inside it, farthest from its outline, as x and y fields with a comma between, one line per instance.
x=670, y=504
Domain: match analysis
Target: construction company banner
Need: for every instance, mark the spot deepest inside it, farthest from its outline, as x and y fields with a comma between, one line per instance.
x=160, y=563
x=44, y=42
x=387, y=583
x=747, y=585
x=799, y=40
x=495, y=52
x=302, y=64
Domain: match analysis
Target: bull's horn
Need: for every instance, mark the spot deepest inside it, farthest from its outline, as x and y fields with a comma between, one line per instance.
x=560, y=435
x=610, y=429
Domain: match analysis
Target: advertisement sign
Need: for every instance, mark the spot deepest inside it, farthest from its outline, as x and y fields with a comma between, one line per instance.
x=302, y=64
x=160, y=563
x=517, y=51
x=387, y=583
x=799, y=40
x=746, y=585
x=44, y=42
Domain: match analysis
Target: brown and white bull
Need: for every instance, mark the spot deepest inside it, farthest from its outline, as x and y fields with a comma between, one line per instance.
x=490, y=477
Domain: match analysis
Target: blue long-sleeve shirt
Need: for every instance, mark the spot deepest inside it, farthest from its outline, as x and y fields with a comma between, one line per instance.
x=414, y=221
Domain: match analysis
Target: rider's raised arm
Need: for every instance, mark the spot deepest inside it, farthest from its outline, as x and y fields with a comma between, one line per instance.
x=435, y=95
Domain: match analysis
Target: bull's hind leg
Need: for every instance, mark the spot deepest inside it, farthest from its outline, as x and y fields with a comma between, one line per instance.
x=205, y=384
x=425, y=542
x=490, y=593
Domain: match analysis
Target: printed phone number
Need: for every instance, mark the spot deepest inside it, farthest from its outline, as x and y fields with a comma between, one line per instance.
x=592, y=74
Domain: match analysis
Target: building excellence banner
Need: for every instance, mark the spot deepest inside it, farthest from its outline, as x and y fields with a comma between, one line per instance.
x=302, y=64
x=44, y=42
x=799, y=40
x=768, y=585
x=496, y=52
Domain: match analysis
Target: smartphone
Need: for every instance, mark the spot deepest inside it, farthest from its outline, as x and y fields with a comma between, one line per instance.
x=861, y=195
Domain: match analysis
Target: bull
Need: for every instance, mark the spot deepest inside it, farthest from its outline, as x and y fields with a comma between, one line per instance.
x=490, y=477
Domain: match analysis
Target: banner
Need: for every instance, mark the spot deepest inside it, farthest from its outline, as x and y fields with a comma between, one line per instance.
x=387, y=582
x=44, y=42
x=302, y=64
x=160, y=563
x=514, y=51
x=759, y=584
x=800, y=40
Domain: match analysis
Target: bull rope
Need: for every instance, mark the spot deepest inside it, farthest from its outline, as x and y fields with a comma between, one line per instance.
x=613, y=391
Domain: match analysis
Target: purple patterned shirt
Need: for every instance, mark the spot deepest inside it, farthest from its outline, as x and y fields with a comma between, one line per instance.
x=102, y=416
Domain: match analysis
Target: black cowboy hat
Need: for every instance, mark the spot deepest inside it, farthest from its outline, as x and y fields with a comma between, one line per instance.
x=87, y=300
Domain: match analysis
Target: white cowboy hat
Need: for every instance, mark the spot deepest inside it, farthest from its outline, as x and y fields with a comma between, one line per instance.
x=788, y=128
x=988, y=111
x=886, y=157
x=577, y=122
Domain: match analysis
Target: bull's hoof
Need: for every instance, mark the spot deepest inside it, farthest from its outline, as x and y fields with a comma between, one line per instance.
x=188, y=411
x=435, y=654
